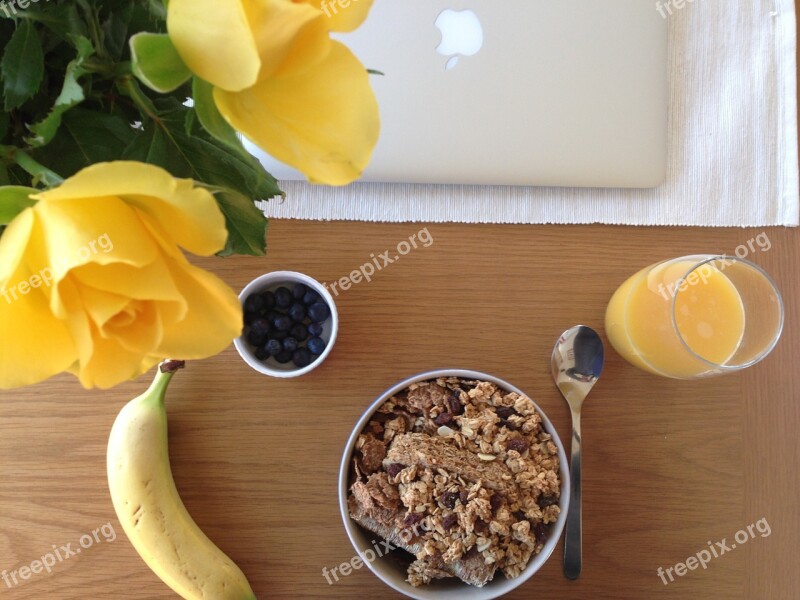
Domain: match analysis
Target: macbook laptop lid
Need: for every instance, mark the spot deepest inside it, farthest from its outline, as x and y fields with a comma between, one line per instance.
x=519, y=92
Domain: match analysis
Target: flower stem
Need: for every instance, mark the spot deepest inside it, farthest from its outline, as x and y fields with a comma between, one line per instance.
x=128, y=87
x=38, y=171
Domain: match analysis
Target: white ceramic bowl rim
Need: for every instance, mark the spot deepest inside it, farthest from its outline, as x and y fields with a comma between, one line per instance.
x=499, y=586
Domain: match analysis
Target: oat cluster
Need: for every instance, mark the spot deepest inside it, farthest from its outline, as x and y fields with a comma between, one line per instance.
x=462, y=475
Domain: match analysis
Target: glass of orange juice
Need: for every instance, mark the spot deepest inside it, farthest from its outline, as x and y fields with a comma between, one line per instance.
x=696, y=316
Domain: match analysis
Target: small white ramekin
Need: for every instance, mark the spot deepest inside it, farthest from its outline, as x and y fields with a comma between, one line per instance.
x=271, y=282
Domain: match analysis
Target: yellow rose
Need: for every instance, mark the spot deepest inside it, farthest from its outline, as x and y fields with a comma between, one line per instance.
x=93, y=280
x=280, y=80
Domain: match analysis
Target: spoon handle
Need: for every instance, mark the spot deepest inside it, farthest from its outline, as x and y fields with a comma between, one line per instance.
x=572, y=538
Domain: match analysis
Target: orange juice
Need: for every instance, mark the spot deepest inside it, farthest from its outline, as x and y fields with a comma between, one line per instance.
x=672, y=320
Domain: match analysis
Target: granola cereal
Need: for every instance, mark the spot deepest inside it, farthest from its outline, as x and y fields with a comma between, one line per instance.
x=462, y=475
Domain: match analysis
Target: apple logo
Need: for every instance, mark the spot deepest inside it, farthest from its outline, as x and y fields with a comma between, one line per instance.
x=462, y=35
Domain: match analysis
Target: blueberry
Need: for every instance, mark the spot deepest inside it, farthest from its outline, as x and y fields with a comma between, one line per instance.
x=318, y=312
x=269, y=300
x=254, y=303
x=310, y=297
x=283, y=357
x=261, y=326
x=282, y=322
x=262, y=353
x=301, y=357
x=290, y=344
x=256, y=338
x=249, y=317
x=278, y=335
x=273, y=347
x=283, y=297
x=299, y=291
x=315, y=345
x=297, y=312
x=314, y=329
x=299, y=332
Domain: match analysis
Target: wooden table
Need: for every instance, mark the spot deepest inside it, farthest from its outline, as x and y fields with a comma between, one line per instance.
x=668, y=465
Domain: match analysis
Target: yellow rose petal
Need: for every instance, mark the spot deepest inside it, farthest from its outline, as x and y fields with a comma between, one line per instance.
x=138, y=328
x=66, y=304
x=214, y=318
x=191, y=218
x=148, y=282
x=110, y=364
x=189, y=215
x=289, y=36
x=35, y=344
x=95, y=230
x=13, y=244
x=101, y=307
x=343, y=15
x=324, y=121
x=214, y=39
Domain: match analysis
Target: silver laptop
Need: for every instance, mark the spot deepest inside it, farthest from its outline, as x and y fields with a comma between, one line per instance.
x=518, y=92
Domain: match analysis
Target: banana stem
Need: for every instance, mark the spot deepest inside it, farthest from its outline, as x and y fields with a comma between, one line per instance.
x=158, y=389
x=171, y=365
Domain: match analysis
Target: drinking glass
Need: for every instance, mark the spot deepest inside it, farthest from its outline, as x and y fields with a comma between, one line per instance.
x=696, y=316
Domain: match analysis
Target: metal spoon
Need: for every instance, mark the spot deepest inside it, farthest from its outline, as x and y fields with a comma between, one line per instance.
x=576, y=364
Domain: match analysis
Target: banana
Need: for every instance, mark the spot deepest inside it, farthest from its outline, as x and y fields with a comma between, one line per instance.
x=150, y=509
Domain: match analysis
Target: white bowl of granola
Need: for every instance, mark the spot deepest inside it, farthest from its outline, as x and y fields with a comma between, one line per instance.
x=453, y=485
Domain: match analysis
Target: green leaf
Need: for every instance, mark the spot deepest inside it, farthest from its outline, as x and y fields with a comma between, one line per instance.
x=84, y=138
x=71, y=95
x=247, y=226
x=4, y=123
x=157, y=9
x=219, y=165
x=115, y=28
x=154, y=146
x=22, y=66
x=13, y=200
x=210, y=117
x=156, y=62
x=62, y=19
x=148, y=15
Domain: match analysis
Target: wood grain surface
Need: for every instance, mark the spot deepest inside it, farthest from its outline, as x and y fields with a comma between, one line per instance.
x=668, y=465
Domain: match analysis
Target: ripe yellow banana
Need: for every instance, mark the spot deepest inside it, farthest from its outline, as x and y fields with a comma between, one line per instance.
x=151, y=511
